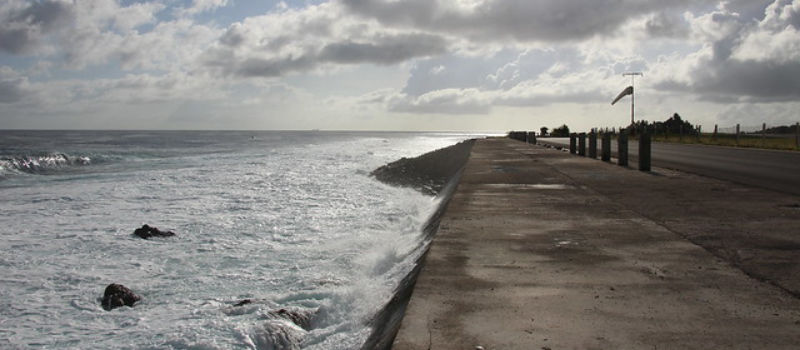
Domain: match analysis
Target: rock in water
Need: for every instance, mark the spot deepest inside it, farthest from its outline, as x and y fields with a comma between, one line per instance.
x=147, y=231
x=298, y=317
x=117, y=295
x=243, y=302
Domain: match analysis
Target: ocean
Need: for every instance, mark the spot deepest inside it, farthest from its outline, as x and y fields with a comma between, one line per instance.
x=284, y=220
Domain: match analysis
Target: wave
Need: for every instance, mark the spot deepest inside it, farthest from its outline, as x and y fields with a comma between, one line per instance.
x=436, y=173
x=42, y=164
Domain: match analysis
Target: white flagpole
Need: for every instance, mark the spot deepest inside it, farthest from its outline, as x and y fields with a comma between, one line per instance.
x=633, y=75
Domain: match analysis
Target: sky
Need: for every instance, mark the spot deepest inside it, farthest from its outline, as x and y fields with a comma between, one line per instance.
x=457, y=65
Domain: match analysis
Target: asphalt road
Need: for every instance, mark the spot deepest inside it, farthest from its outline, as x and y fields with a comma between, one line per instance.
x=775, y=170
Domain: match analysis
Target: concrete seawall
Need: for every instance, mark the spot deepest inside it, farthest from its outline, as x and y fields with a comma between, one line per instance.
x=539, y=249
x=435, y=173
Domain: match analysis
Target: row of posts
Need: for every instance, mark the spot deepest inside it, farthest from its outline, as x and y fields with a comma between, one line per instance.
x=577, y=145
x=524, y=136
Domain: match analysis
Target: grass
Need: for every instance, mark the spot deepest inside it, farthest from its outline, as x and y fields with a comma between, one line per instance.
x=781, y=142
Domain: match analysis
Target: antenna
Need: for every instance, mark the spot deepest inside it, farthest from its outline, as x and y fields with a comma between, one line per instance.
x=633, y=91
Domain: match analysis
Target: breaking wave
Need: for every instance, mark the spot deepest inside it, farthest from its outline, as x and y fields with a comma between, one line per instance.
x=42, y=164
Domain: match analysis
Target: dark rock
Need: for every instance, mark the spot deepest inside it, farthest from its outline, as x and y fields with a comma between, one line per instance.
x=147, y=231
x=300, y=318
x=117, y=295
x=243, y=302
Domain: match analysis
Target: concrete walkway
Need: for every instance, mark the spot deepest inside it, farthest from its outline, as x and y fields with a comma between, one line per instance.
x=529, y=255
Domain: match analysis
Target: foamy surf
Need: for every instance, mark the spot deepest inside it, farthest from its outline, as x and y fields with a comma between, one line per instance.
x=290, y=221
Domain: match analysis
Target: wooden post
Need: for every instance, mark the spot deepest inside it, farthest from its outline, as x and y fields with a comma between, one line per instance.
x=582, y=144
x=714, y=137
x=797, y=135
x=644, y=152
x=737, y=135
x=532, y=137
x=606, y=156
x=622, y=148
x=573, y=148
x=593, y=144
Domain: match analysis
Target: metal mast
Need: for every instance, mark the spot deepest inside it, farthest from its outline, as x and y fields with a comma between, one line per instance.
x=633, y=76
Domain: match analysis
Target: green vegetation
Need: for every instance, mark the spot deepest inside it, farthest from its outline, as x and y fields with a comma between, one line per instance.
x=561, y=131
x=678, y=130
x=745, y=140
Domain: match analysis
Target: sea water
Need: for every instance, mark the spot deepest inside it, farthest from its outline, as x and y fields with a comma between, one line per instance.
x=289, y=220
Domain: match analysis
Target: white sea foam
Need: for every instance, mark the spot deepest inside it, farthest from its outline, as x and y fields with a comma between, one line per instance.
x=288, y=220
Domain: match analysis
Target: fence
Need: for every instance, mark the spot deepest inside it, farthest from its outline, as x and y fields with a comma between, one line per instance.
x=786, y=137
x=764, y=136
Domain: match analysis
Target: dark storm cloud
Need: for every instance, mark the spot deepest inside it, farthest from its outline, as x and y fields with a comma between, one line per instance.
x=21, y=30
x=523, y=20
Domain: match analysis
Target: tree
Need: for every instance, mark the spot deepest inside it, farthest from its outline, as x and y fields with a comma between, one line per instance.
x=543, y=131
x=561, y=131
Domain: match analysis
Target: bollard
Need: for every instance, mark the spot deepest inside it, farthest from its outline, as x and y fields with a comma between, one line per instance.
x=622, y=148
x=573, y=148
x=797, y=135
x=593, y=144
x=644, y=152
x=582, y=144
x=606, y=157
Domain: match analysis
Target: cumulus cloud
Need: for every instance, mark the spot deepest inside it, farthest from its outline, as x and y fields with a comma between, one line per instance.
x=13, y=87
x=667, y=25
x=292, y=40
x=24, y=24
x=445, y=101
x=385, y=50
x=455, y=57
x=200, y=6
x=524, y=20
x=743, y=59
x=552, y=85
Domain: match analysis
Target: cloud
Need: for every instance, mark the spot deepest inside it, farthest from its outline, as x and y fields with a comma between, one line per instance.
x=13, y=90
x=499, y=20
x=24, y=24
x=385, y=49
x=200, y=6
x=300, y=40
x=446, y=101
x=13, y=86
x=667, y=25
x=553, y=85
x=751, y=114
x=743, y=59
